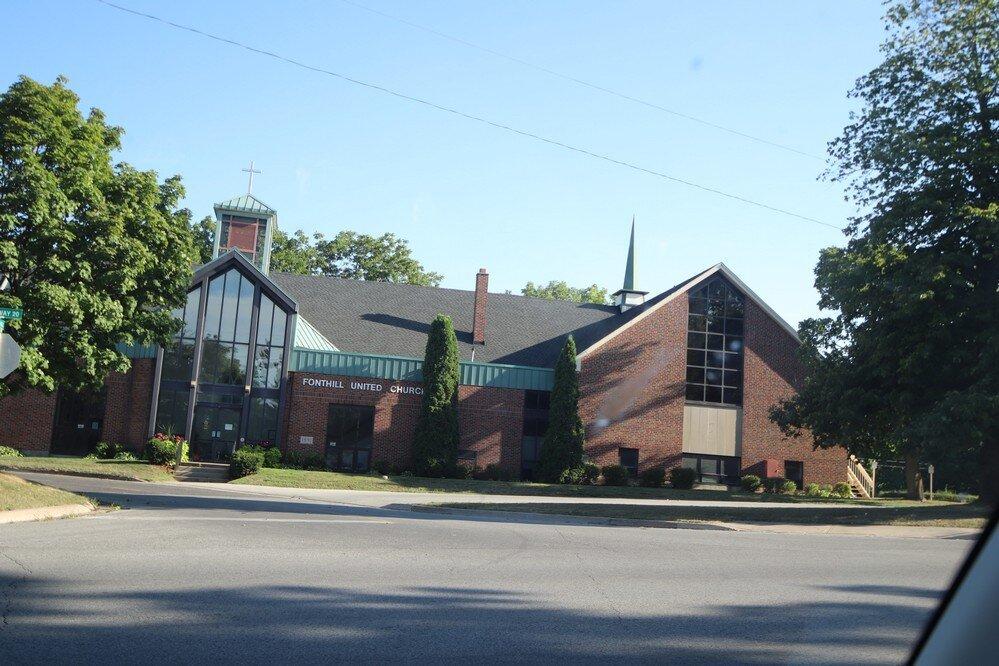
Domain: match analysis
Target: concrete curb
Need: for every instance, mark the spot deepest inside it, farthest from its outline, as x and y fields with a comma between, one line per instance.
x=45, y=513
x=86, y=475
x=528, y=516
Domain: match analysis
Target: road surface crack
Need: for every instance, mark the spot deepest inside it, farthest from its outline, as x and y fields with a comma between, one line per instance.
x=9, y=591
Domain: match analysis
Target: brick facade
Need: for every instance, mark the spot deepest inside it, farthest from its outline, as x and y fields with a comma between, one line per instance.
x=491, y=424
x=127, y=404
x=632, y=395
x=771, y=371
x=26, y=421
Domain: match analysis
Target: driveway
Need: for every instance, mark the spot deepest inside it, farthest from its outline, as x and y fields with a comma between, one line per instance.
x=193, y=573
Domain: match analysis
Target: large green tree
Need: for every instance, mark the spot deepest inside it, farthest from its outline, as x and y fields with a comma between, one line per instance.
x=348, y=254
x=203, y=234
x=907, y=365
x=96, y=253
x=562, y=448
x=558, y=290
x=435, y=446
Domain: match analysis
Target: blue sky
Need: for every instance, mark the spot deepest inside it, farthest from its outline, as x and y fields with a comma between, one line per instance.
x=337, y=156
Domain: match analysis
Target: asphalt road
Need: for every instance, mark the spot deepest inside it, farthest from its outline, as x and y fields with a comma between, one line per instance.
x=194, y=574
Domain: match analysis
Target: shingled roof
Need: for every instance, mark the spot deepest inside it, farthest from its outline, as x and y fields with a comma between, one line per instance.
x=394, y=319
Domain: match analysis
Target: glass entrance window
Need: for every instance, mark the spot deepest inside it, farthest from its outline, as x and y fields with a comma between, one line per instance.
x=349, y=435
x=226, y=337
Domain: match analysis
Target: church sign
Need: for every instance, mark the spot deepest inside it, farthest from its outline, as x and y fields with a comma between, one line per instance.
x=355, y=385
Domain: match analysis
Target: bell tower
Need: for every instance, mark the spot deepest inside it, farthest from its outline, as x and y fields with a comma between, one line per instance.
x=245, y=224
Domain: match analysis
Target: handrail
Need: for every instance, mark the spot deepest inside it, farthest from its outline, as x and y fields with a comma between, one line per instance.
x=860, y=473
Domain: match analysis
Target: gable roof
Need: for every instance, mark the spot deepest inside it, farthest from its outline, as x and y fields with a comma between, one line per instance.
x=394, y=319
x=666, y=297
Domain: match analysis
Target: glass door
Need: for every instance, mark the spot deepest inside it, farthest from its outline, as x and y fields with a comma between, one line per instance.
x=349, y=434
x=215, y=432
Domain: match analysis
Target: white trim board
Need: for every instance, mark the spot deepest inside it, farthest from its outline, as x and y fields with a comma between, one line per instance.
x=717, y=268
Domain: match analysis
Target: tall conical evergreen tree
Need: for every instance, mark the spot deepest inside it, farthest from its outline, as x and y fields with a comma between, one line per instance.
x=435, y=448
x=562, y=448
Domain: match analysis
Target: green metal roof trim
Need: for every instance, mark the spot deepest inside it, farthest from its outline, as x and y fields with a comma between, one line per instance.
x=247, y=204
x=307, y=337
x=402, y=368
x=136, y=351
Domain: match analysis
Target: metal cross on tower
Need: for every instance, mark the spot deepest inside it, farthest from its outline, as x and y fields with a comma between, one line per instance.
x=251, y=171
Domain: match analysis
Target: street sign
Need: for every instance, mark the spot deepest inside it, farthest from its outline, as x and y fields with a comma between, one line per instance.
x=10, y=355
x=11, y=313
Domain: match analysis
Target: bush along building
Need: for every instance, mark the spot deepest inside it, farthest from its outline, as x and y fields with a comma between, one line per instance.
x=331, y=369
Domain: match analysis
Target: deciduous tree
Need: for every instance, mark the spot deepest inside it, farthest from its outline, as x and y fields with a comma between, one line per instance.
x=96, y=253
x=908, y=365
x=559, y=290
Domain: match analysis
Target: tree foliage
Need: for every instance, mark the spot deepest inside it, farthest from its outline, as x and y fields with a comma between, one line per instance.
x=435, y=447
x=203, y=234
x=562, y=447
x=559, y=290
x=907, y=365
x=96, y=253
x=385, y=258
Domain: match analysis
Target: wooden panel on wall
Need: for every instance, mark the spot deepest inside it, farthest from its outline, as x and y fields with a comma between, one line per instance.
x=711, y=430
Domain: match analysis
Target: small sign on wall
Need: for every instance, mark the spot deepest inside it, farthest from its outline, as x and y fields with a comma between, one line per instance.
x=305, y=439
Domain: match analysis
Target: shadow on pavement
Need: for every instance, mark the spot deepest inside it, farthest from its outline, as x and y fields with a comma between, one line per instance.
x=61, y=621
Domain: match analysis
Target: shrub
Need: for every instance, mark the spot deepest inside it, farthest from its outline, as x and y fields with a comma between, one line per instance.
x=947, y=495
x=10, y=452
x=493, y=472
x=789, y=487
x=817, y=490
x=654, y=477
x=614, y=475
x=245, y=461
x=381, y=467
x=842, y=489
x=778, y=485
x=126, y=456
x=295, y=460
x=272, y=457
x=107, y=450
x=562, y=447
x=580, y=475
x=682, y=478
x=162, y=449
x=435, y=442
x=750, y=483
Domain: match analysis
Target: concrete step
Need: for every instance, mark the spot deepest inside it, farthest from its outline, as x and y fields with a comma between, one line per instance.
x=204, y=472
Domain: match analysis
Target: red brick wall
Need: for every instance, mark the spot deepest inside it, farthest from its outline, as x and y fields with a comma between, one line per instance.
x=771, y=372
x=26, y=421
x=490, y=419
x=491, y=423
x=632, y=395
x=632, y=390
x=127, y=403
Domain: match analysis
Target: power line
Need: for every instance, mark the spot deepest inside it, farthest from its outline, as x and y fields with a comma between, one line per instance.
x=462, y=114
x=581, y=82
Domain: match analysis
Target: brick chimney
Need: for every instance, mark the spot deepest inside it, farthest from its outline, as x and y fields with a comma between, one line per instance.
x=479, y=318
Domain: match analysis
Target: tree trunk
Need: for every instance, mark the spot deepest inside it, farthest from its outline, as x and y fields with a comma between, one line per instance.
x=988, y=490
x=913, y=479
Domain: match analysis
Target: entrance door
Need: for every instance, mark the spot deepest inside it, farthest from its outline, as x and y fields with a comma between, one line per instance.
x=349, y=432
x=79, y=417
x=215, y=432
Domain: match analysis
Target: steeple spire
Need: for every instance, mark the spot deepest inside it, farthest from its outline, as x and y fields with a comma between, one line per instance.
x=629, y=267
x=627, y=296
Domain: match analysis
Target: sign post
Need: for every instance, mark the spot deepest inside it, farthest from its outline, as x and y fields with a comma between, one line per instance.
x=930, y=469
x=10, y=351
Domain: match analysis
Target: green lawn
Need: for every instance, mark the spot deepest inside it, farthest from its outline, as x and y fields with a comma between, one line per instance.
x=108, y=469
x=897, y=512
x=17, y=493
x=295, y=478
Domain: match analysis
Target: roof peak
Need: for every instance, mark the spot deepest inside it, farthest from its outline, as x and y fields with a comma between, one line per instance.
x=247, y=203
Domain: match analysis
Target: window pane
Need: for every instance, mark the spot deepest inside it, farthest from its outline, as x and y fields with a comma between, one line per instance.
x=733, y=361
x=277, y=331
x=716, y=289
x=695, y=357
x=695, y=340
x=696, y=323
x=178, y=361
x=733, y=326
x=713, y=377
x=191, y=313
x=716, y=359
x=695, y=392
x=712, y=394
x=715, y=341
x=213, y=309
x=695, y=375
x=732, y=378
x=264, y=320
x=689, y=462
x=716, y=308
x=171, y=410
x=230, y=303
x=733, y=344
x=698, y=306
x=239, y=363
x=716, y=325
x=732, y=396
x=245, y=311
x=734, y=306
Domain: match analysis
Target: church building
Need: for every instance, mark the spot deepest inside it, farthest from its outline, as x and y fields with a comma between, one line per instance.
x=330, y=369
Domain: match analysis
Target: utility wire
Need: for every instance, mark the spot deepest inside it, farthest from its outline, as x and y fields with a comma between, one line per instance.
x=462, y=114
x=581, y=82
